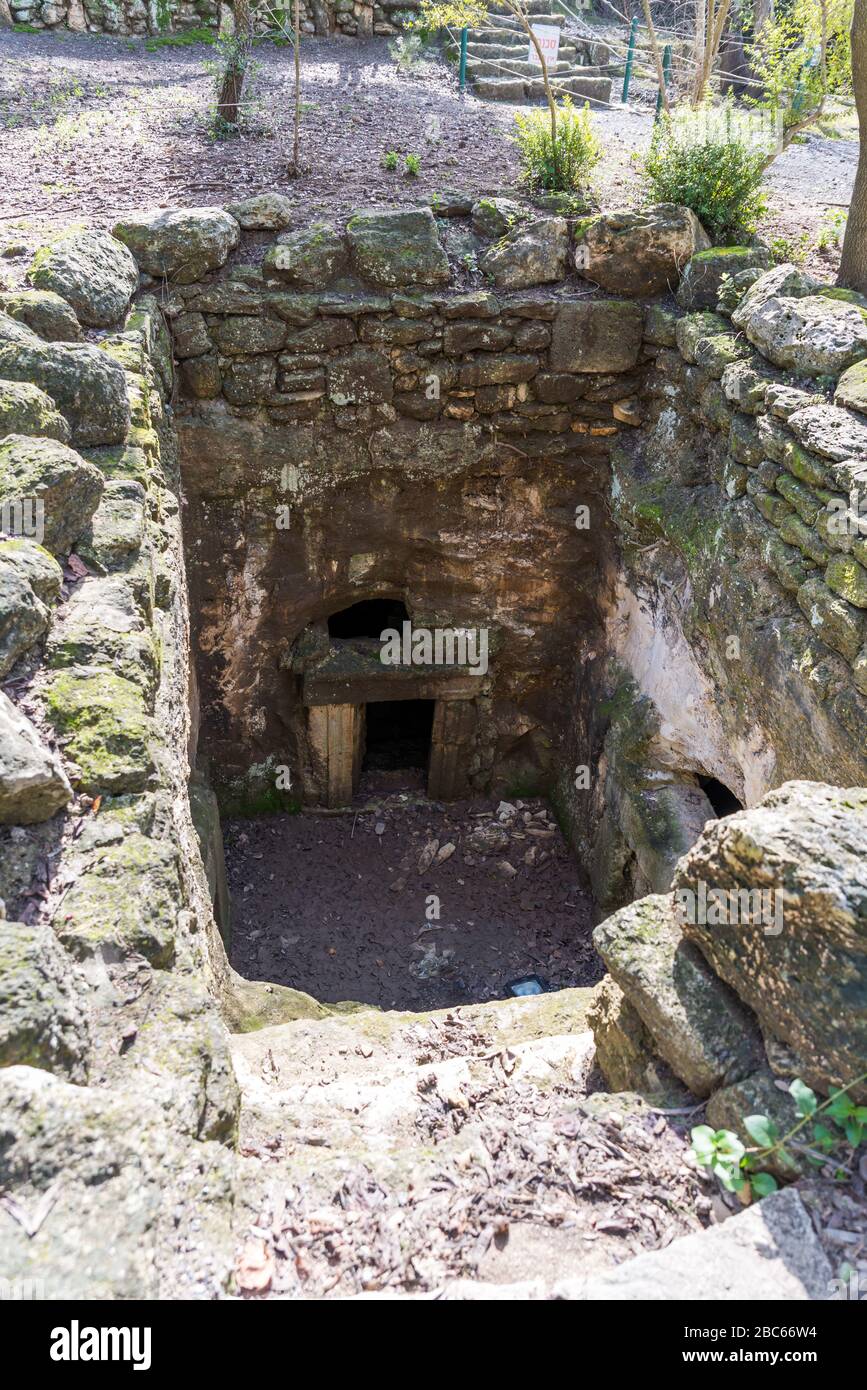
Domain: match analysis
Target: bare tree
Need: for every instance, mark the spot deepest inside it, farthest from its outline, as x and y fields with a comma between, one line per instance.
x=660, y=72
x=716, y=14
x=853, y=265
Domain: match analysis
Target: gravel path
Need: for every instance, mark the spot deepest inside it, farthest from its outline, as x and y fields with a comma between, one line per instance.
x=94, y=126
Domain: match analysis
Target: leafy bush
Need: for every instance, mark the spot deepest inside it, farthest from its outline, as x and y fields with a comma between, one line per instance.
x=406, y=51
x=708, y=166
x=563, y=166
x=390, y=160
x=412, y=164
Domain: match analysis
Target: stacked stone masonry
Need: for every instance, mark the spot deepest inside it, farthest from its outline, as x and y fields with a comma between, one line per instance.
x=713, y=437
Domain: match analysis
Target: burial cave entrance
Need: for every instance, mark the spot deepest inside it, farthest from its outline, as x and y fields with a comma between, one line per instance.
x=369, y=618
x=397, y=740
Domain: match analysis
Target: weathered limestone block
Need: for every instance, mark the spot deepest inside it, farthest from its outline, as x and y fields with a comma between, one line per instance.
x=624, y=1047
x=181, y=245
x=363, y=377
x=495, y=217
x=846, y=577
x=806, y=843
x=39, y=568
x=660, y=326
x=783, y=281
x=262, y=212
x=180, y=1056
x=101, y=624
x=498, y=369
x=838, y=624
x=699, y=288
x=42, y=1023
x=12, y=331
x=121, y=1180
x=851, y=388
x=596, y=336
x=827, y=430
x=698, y=328
x=768, y=1253
x=205, y=813
x=398, y=248
x=25, y=409
x=242, y=335
x=33, y=785
x=47, y=313
x=125, y=898
x=308, y=259
x=103, y=722
x=476, y=334
x=85, y=384
x=67, y=486
x=533, y=253
x=641, y=252
x=815, y=336
x=190, y=335
x=697, y=1024
x=147, y=321
x=92, y=270
x=117, y=528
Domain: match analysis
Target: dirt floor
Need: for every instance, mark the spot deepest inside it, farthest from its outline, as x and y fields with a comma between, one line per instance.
x=94, y=126
x=414, y=905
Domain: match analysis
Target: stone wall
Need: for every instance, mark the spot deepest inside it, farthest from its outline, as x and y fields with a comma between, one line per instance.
x=353, y=424
x=351, y=18
x=736, y=642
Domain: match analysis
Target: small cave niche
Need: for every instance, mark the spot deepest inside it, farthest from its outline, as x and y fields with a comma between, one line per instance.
x=369, y=618
x=723, y=801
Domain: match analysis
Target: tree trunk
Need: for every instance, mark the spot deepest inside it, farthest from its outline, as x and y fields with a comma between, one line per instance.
x=699, y=41
x=853, y=266
x=763, y=12
x=232, y=86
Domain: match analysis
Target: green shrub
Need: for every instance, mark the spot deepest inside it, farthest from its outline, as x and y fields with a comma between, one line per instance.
x=390, y=160
x=715, y=172
x=412, y=163
x=564, y=166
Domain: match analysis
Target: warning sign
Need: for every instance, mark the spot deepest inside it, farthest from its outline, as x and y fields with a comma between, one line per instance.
x=548, y=38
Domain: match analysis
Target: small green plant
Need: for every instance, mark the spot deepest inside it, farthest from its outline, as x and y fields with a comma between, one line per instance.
x=821, y=1144
x=412, y=164
x=717, y=173
x=406, y=51
x=832, y=229
x=790, y=250
x=390, y=160
x=562, y=165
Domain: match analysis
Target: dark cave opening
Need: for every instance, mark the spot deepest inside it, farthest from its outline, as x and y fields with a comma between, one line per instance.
x=723, y=801
x=398, y=735
x=369, y=618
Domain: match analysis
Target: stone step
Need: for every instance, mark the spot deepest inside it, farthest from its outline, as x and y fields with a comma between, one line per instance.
x=521, y=67
x=576, y=83
x=499, y=53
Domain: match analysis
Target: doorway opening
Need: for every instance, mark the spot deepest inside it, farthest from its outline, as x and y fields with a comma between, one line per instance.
x=398, y=735
x=723, y=801
x=368, y=619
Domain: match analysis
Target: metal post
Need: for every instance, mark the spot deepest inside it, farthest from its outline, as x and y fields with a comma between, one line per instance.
x=630, y=56
x=666, y=77
x=462, y=76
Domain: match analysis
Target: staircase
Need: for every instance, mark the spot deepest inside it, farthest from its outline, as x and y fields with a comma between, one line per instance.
x=498, y=66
